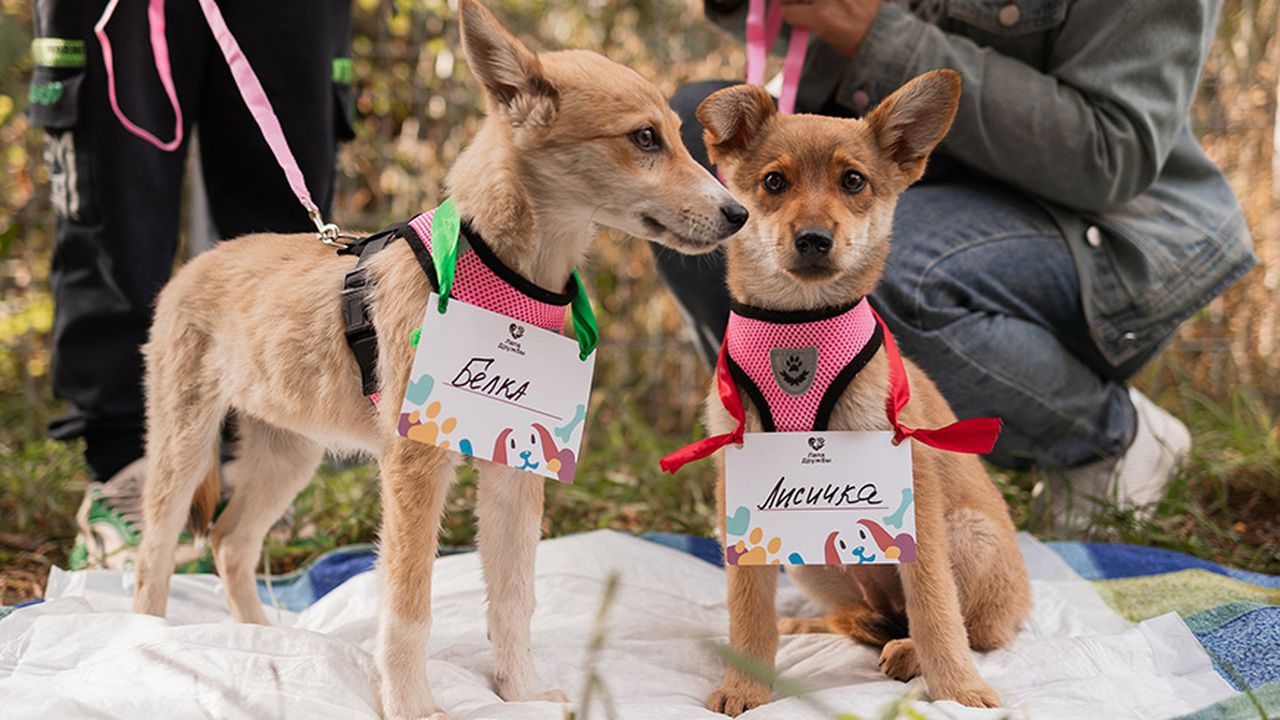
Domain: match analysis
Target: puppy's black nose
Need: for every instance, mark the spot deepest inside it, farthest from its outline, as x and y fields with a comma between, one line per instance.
x=735, y=214
x=813, y=243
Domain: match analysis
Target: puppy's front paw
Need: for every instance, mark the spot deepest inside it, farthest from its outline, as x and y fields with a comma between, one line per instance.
x=898, y=660
x=555, y=696
x=974, y=694
x=420, y=706
x=433, y=715
x=528, y=691
x=735, y=697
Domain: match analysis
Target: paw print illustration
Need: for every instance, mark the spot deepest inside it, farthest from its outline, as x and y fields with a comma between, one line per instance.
x=757, y=554
x=424, y=426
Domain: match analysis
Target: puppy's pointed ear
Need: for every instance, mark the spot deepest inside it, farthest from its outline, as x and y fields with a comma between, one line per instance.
x=732, y=118
x=911, y=122
x=511, y=75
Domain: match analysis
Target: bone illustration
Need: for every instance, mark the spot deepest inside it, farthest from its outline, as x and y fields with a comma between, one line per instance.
x=895, y=520
x=578, y=416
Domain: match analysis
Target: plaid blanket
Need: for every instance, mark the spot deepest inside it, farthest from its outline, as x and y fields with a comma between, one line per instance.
x=1234, y=614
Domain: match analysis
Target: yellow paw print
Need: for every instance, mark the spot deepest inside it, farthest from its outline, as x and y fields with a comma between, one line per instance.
x=758, y=554
x=428, y=430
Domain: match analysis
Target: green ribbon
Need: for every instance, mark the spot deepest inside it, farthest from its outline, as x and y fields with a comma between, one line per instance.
x=584, y=320
x=445, y=228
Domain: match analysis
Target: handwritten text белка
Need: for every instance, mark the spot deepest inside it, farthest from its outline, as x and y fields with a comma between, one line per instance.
x=475, y=376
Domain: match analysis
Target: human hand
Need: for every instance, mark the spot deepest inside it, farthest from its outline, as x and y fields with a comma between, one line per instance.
x=842, y=24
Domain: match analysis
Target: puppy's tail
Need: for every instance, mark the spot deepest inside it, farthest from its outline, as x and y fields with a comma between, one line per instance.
x=205, y=501
x=860, y=622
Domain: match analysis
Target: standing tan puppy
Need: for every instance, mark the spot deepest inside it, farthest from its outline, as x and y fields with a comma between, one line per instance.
x=821, y=193
x=572, y=142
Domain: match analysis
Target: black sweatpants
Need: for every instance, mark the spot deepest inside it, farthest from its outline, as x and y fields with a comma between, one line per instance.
x=116, y=197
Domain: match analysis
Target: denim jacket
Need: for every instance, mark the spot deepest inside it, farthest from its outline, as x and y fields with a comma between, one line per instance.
x=1083, y=104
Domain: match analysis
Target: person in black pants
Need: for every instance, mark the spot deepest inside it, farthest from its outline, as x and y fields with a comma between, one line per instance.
x=116, y=196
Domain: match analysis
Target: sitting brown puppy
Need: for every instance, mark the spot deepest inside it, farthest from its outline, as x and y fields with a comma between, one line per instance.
x=821, y=194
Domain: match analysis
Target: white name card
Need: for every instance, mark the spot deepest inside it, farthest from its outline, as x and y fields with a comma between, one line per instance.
x=499, y=389
x=819, y=498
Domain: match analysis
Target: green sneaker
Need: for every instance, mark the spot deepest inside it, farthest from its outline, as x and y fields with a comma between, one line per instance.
x=110, y=519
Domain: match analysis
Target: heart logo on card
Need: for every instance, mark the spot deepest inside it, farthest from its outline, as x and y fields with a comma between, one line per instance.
x=517, y=331
x=816, y=443
x=419, y=390
x=738, y=523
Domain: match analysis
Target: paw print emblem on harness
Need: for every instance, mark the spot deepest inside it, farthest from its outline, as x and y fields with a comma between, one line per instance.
x=793, y=368
x=795, y=374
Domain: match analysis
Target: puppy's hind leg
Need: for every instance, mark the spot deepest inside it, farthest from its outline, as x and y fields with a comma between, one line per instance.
x=995, y=594
x=271, y=467
x=830, y=587
x=509, y=513
x=415, y=481
x=183, y=421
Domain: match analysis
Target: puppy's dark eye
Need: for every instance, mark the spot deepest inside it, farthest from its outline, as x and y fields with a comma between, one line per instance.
x=774, y=182
x=646, y=138
x=852, y=181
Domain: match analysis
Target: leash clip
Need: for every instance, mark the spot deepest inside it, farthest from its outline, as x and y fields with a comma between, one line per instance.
x=329, y=233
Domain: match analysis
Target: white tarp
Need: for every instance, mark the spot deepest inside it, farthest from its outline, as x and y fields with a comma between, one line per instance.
x=81, y=654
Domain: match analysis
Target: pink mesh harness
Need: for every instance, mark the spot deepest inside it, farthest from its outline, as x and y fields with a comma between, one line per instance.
x=479, y=279
x=482, y=280
x=795, y=365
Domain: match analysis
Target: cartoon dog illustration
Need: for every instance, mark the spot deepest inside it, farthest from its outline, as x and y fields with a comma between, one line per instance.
x=900, y=547
x=528, y=450
x=837, y=552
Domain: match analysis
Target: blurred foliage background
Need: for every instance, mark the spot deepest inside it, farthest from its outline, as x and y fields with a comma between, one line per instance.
x=415, y=109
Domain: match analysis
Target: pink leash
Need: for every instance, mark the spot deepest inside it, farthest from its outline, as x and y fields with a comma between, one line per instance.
x=160, y=49
x=763, y=29
x=246, y=80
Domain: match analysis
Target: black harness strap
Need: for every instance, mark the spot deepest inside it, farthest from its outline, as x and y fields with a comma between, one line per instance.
x=359, y=331
x=841, y=381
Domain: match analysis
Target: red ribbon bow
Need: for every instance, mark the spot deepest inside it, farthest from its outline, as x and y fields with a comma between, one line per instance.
x=975, y=435
x=729, y=397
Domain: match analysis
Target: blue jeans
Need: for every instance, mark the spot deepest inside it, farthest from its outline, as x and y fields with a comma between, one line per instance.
x=980, y=290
